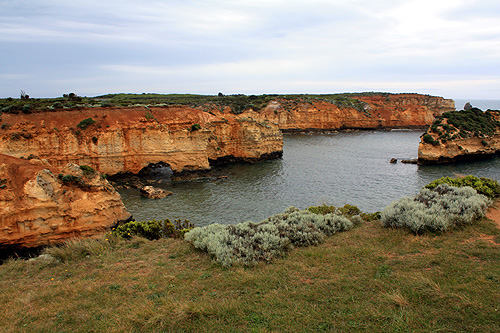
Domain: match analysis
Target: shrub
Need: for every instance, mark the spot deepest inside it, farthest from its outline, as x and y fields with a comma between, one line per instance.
x=57, y=105
x=195, y=127
x=85, y=123
x=70, y=179
x=153, y=229
x=429, y=139
x=248, y=242
x=437, y=209
x=87, y=170
x=149, y=116
x=485, y=186
x=26, y=108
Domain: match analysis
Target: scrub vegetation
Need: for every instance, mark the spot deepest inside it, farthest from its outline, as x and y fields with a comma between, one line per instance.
x=463, y=124
x=224, y=103
x=370, y=278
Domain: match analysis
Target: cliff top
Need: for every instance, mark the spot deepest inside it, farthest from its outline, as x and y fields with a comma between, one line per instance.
x=236, y=103
x=463, y=124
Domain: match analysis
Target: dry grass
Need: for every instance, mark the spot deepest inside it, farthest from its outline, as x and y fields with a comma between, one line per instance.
x=367, y=279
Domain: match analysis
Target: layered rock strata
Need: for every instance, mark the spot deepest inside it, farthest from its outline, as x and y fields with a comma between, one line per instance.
x=126, y=140
x=371, y=111
x=41, y=205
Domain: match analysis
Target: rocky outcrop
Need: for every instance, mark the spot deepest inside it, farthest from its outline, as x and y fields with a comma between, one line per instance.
x=121, y=140
x=151, y=192
x=41, y=205
x=368, y=111
x=444, y=143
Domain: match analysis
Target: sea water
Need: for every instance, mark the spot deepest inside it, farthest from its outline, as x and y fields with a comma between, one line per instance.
x=332, y=169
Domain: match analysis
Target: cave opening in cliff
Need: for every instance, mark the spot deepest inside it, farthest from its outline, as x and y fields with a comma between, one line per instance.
x=160, y=170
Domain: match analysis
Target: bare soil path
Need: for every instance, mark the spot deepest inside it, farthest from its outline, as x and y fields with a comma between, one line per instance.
x=494, y=214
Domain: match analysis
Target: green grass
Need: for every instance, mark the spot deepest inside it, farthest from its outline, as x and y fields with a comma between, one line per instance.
x=368, y=279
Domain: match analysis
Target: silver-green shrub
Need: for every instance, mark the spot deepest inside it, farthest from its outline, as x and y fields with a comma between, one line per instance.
x=250, y=242
x=437, y=209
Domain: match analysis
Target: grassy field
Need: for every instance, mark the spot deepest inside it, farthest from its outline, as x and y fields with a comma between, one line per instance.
x=366, y=279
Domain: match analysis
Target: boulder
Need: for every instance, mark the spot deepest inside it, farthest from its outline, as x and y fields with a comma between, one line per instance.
x=154, y=192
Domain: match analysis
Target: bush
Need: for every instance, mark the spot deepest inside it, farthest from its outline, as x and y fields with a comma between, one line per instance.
x=248, y=242
x=70, y=179
x=57, y=105
x=436, y=210
x=87, y=170
x=153, y=229
x=485, y=186
x=85, y=123
x=429, y=139
x=195, y=127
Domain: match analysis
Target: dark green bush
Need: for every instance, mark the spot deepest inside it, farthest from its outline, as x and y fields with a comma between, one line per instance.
x=57, y=105
x=70, y=179
x=85, y=123
x=485, y=186
x=429, y=139
x=87, y=170
x=195, y=127
x=154, y=229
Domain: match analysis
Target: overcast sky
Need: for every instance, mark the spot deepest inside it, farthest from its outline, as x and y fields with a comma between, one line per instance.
x=448, y=48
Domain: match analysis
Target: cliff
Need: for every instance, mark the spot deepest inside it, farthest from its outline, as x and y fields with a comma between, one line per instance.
x=364, y=111
x=41, y=205
x=192, y=138
x=117, y=140
x=463, y=135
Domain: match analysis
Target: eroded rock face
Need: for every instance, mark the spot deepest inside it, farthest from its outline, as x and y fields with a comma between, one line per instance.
x=374, y=112
x=128, y=139
x=41, y=205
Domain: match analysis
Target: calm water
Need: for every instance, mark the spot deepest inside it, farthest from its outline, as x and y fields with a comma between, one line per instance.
x=483, y=104
x=334, y=169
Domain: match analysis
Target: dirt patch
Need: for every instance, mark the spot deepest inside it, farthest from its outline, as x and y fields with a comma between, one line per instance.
x=494, y=214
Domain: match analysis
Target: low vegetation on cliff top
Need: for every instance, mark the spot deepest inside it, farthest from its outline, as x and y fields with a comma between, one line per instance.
x=230, y=103
x=463, y=124
x=370, y=278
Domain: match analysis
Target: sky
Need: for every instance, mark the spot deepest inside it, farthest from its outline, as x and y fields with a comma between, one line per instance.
x=448, y=48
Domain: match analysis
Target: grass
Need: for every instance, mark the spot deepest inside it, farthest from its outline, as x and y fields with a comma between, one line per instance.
x=368, y=279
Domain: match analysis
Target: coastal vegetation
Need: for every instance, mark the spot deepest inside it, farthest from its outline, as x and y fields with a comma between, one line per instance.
x=370, y=278
x=231, y=103
x=462, y=124
x=436, y=210
x=248, y=242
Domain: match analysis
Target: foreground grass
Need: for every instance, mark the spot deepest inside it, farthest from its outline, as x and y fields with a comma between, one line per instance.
x=369, y=278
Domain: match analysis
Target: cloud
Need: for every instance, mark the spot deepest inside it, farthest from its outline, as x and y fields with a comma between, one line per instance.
x=260, y=45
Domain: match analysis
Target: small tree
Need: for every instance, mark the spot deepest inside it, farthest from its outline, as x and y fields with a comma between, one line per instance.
x=24, y=96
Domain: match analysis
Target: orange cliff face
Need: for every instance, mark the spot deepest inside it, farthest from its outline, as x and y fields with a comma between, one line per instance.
x=373, y=111
x=40, y=206
x=128, y=139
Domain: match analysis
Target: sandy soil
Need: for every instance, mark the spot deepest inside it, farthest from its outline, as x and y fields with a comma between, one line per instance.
x=494, y=213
